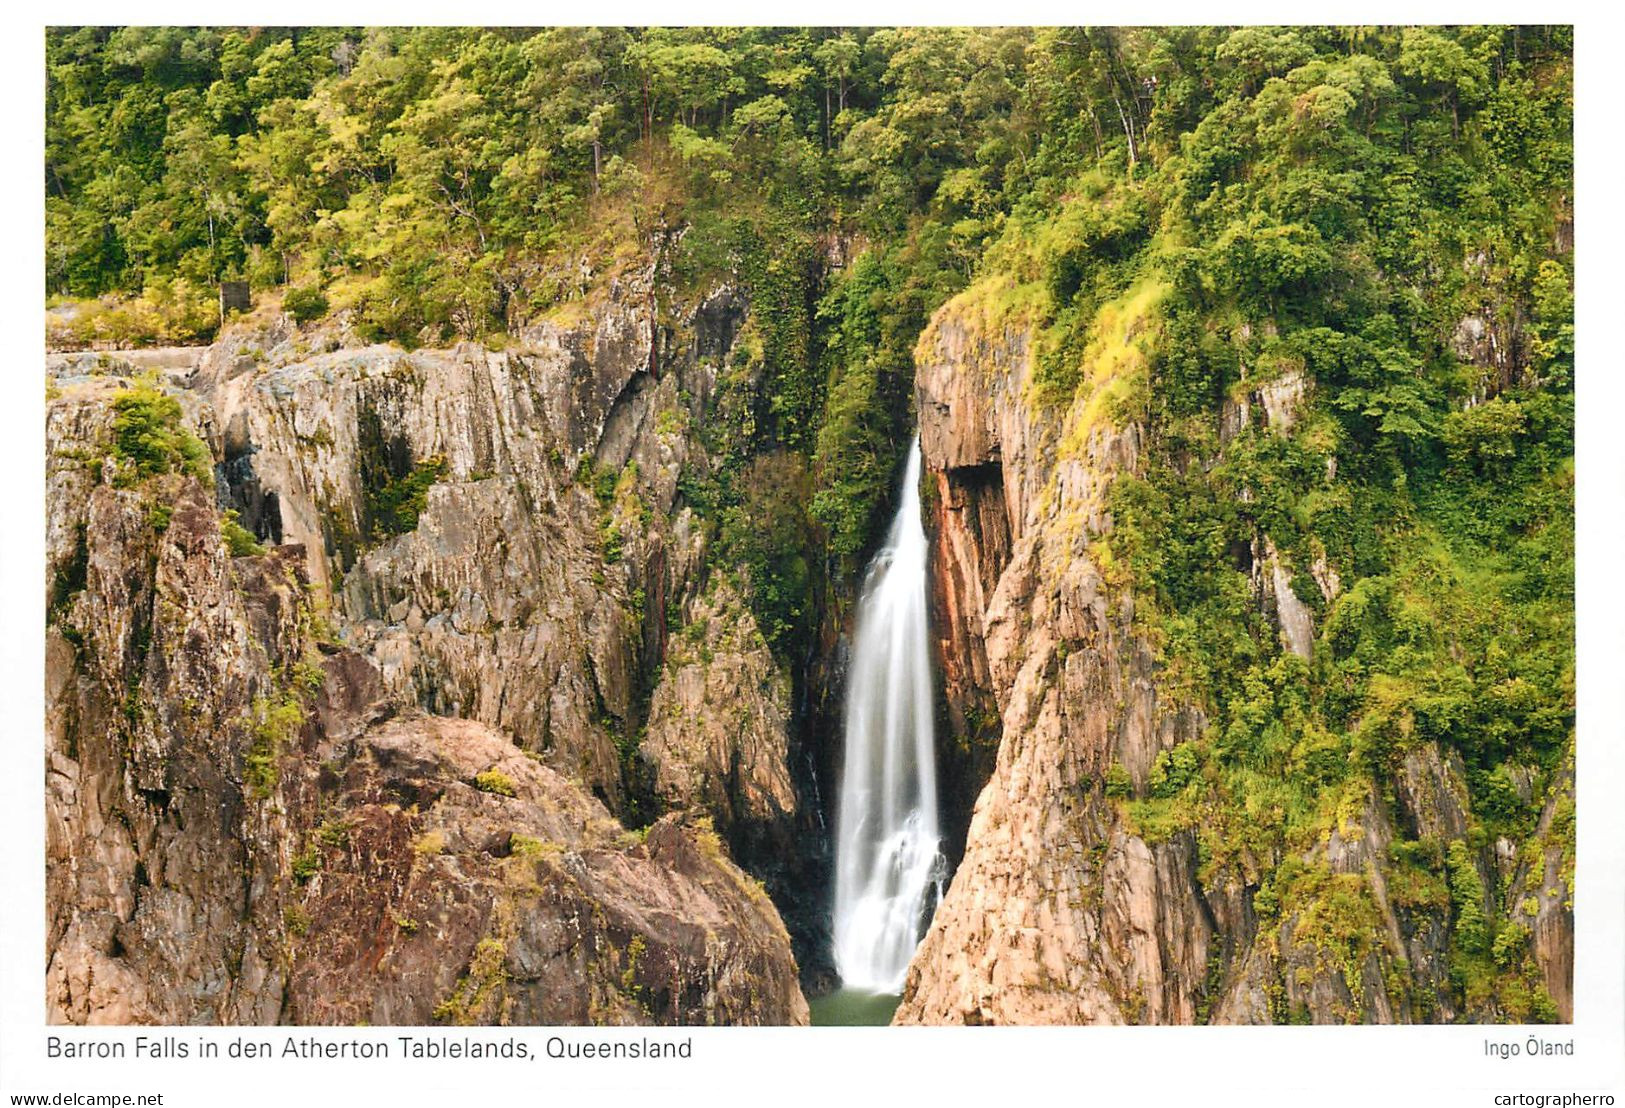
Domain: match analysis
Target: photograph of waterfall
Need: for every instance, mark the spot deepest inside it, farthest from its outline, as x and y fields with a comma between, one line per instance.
x=716, y=526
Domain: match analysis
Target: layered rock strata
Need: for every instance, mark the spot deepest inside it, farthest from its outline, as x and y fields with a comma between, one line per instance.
x=385, y=770
x=1061, y=910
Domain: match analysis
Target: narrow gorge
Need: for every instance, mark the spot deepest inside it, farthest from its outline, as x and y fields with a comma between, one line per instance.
x=996, y=526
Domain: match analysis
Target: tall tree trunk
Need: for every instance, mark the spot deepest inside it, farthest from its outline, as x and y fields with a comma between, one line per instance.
x=1128, y=130
x=648, y=126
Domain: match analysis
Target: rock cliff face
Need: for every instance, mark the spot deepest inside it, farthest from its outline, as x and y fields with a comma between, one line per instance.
x=1064, y=910
x=385, y=770
x=524, y=596
x=1056, y=914
x=476, y=733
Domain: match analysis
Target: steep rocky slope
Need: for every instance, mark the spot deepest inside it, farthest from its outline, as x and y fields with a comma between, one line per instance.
x=505, y=599
x=383, y=764
x=1069, y=905
x=1056, y=914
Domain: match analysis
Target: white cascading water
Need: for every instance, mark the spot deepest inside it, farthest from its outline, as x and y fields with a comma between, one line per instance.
x=888, y=866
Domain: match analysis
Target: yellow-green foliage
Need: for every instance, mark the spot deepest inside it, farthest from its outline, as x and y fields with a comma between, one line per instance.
x=240, y=541
x=991, y=307
x=711, y=845
x=1335, y=914
x=705, y=835
x=272, y=723
x=495, y=781
x=167, y=313
x=478, y=988
x=1119, y=785
x=629, y=976
x=307, y=864
x=525, y=846
x=1415, y=876
x=335, y=833
x=149, y=438
x=1114, y=378
x=307, y=675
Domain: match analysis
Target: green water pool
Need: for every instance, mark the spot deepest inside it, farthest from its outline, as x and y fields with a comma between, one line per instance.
x=852, y=1008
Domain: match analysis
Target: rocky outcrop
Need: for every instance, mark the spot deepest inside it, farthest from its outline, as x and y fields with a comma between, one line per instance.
x=1541, y=893
x=509, y=598
x=454, y=879
x=1273, y=583
x=1058, y=912
x=498, y=531
x=1072, y=906
x=155, y=669
x=718, y=731
x=379, y=772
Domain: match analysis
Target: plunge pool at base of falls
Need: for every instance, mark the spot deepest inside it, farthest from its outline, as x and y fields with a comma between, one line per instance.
x=853, y=1008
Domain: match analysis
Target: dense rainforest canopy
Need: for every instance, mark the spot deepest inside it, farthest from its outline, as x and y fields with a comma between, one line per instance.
x=1355, y=207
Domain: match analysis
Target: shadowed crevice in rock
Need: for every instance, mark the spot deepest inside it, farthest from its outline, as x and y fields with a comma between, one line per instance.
x=205, y=872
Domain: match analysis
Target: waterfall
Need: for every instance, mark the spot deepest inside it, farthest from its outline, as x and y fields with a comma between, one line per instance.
x=888, y=868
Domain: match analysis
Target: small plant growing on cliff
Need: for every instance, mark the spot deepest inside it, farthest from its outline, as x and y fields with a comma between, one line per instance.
x=307, y=676
x=394, y=506
x=307, y=864
x=486, y=975
x=272, y=723
x=705, y=836
x=495, y=781
x=630, y=988
x=149, y=438
x=1119, y=785
x=1467, y=895
x=239, y=539
x=610, y=536
x=526, y=846
x=69, y=578
x=335, y=833
x=1509, y=944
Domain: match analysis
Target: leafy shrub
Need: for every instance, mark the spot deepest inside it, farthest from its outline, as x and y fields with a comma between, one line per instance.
x=178, y=313
x=1483, y=439
x=1510, y=943
x=149, y=437
x=1173, y=769
x=239, y=539
x=307, y=864
x=769, y=535
x=1467, y=896
x=305, y=303
x=495, y=781
x=273, y=722
x=394, y=506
